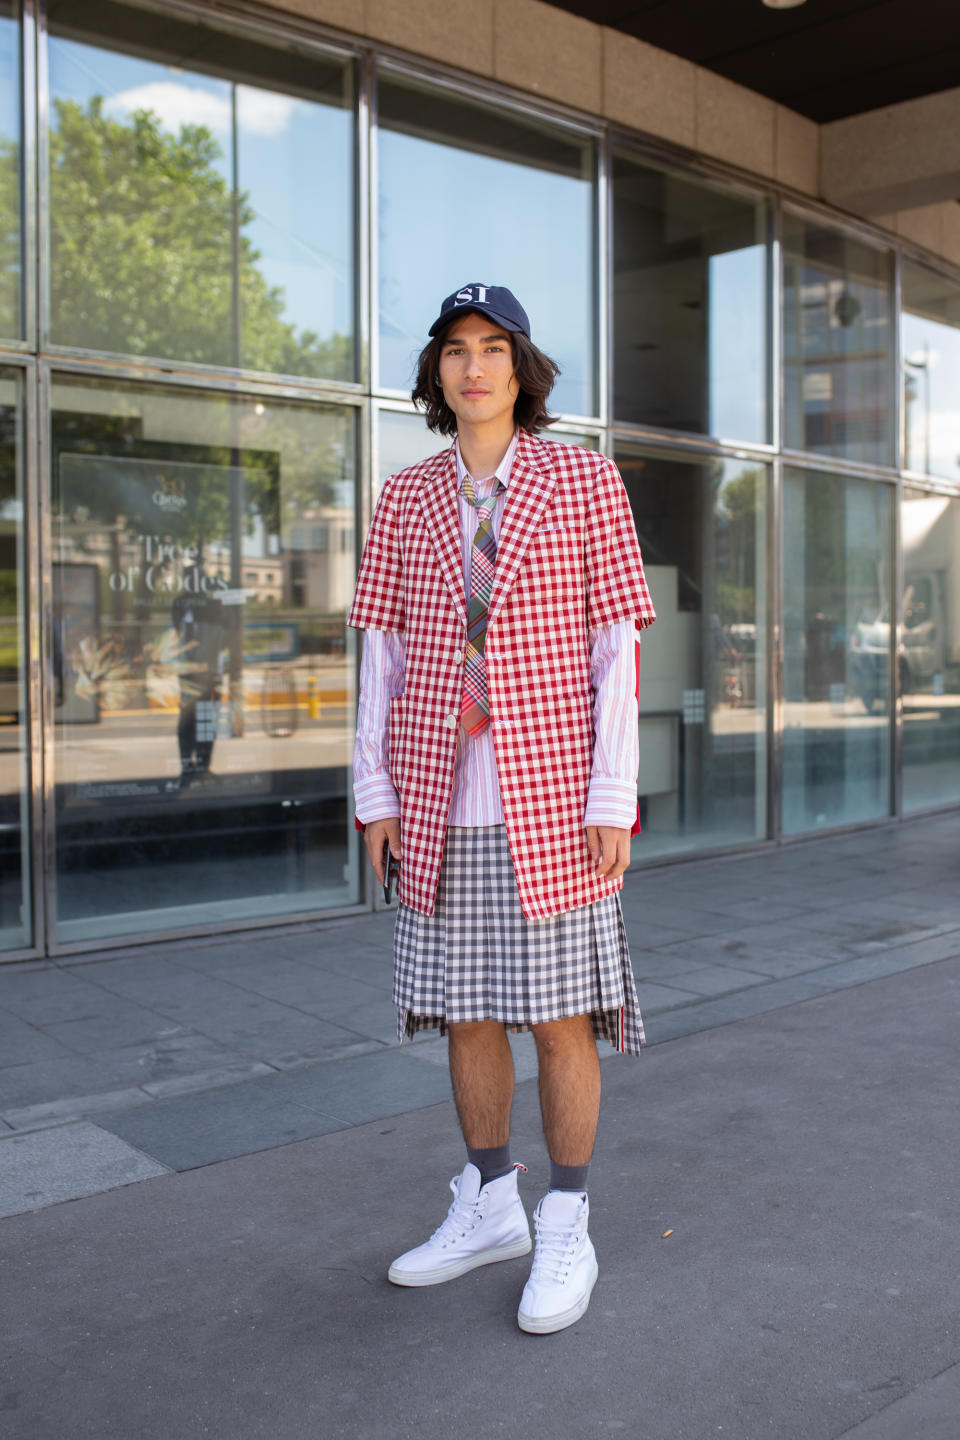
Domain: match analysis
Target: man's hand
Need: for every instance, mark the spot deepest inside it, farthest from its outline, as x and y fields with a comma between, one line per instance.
x=609, y=849
x=375, y=836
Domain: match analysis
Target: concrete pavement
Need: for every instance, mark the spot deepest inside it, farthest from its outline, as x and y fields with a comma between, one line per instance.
x=188, y=1053
x=803, y=1159
x=798, y=1136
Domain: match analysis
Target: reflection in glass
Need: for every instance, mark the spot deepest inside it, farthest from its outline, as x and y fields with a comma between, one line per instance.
x=180, y=223
x=689, y=312
x=837, y=675
x=931, y=371
x=15, y=927
x=837, y=337
x=930, y=657
x=402, y=440
x=470, y=194
x=204, y=559
x=10, y=231
x=703, y=668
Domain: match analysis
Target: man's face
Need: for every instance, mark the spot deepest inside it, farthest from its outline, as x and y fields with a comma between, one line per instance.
x=476, y=370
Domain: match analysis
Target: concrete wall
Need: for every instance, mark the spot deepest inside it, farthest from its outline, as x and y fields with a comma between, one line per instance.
x=538, y=48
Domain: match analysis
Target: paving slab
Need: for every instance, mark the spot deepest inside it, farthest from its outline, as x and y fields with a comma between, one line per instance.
x=217, y=1125
x=807, y=1291
x=49, y=1166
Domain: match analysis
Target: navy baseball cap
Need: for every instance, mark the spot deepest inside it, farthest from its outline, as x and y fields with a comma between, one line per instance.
x=494, y=300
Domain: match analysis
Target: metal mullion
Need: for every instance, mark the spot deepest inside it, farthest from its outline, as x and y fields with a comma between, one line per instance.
x=898, y=420
x=835, y=465
x=363, y=211
x=373, y=214
x=80, y=950
x=240, y=18
x=42, y=174
x=775, y=652
x=485, y=91
x=775, y=537
x=227, y=378
x=43, y=548
x=28, y=173
x=603, y=281
x=31, y=838
x=895, y=643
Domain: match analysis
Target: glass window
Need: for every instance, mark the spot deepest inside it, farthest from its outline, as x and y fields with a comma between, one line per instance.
x=10, y=201
x=837, y=339
x=930, y=657
x=15, y=926
x=702, y=528
x=474, y=193
x=931, y=371
x=201, y=195
x=837, y=674
x=689, y=306
x=403, y=439
x=203, y=724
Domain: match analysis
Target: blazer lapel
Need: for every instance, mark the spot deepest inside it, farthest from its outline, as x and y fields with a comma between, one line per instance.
x=438, y=500
x=532, y=483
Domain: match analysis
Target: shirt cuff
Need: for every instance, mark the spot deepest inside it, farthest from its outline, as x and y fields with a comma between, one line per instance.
x=376, y=799
x=611, y=802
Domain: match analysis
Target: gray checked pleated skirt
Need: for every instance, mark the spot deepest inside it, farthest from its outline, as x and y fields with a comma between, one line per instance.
x=479, y=958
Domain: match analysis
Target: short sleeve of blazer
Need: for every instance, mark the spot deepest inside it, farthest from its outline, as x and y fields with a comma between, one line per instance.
x=378, y=600
x=616, y=586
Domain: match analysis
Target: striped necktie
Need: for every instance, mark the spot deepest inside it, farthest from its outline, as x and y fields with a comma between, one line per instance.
x=475, y=704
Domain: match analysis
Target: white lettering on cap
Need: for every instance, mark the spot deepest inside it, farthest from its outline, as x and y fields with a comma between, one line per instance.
x=466, y=297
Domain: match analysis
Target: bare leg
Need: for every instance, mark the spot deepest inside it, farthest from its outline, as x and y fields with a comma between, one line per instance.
x=481, y=1069
x=569, y=1088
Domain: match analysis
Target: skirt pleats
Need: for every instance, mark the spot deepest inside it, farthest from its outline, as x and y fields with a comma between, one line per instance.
x=479, y=958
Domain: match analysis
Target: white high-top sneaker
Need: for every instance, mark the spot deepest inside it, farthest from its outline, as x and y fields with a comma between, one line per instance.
x=564, y=1266
x=485, y=1223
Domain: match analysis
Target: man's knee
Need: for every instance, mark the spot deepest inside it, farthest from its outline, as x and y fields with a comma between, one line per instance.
x=551, y=1035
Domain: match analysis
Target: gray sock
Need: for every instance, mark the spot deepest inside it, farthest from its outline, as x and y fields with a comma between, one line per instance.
x=491, y=1163
x=568, y=1177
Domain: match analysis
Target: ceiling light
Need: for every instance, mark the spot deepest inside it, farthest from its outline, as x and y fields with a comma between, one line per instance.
x=783, y=4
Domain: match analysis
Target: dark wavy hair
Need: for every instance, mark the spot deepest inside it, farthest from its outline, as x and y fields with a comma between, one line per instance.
x=535, y=374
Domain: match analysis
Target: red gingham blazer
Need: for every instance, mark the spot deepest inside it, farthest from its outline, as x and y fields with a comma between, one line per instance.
x=568, y=560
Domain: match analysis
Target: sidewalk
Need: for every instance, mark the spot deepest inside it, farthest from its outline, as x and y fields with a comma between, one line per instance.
x=803, y=1162
x=128, y=1065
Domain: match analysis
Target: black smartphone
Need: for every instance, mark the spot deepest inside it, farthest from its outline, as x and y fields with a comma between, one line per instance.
x=391, y=869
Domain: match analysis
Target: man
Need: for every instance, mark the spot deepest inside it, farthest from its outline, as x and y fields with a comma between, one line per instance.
x=502, y=592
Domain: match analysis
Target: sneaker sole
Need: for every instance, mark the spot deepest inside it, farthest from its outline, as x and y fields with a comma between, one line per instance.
x=548, y=1324
x=456, y=1268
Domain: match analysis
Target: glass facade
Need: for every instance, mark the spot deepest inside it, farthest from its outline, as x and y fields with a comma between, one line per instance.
x=450, y=173
x=180, y=225
x=11, y=204
x=702, y=528
x=837, y=675
x=203, y=563
x=930, y=345
x=929, y=661
x=15, y=910
x=243, y=233
x=690, y=329
x=837, y=343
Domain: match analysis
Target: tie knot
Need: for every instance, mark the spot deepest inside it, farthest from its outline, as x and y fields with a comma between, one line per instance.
x=487, y=501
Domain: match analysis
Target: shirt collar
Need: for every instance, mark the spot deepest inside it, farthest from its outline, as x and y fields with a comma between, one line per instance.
x=502, y=471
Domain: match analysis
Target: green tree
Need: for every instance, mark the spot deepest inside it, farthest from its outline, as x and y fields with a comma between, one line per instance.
x=142, y=250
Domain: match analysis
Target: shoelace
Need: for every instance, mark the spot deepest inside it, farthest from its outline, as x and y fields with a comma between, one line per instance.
x=554, y=1253
x=462, y=1217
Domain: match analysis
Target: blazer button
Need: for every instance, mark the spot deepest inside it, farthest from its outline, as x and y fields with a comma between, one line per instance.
x=458, y=657
x=451, y=722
